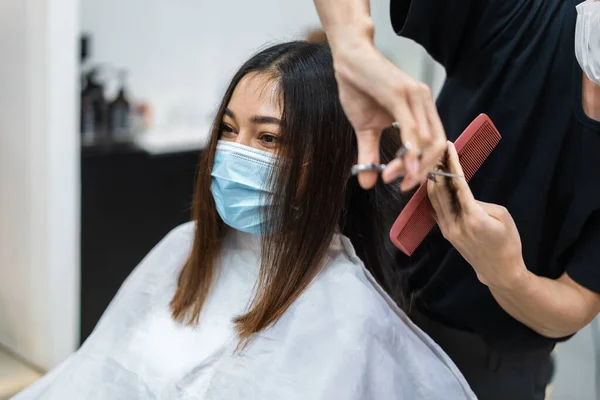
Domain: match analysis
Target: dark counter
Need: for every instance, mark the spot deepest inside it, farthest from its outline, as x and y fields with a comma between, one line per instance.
x=129, y=201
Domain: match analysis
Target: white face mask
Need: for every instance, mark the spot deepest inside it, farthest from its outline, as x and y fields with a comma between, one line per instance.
x=587, y=39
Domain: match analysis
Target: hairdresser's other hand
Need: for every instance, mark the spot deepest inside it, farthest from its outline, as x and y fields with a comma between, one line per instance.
x=484, y=234
x=374, y=93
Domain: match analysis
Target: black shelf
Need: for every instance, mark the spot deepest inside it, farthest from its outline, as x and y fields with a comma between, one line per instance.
x=107, y=150
x=130, y=200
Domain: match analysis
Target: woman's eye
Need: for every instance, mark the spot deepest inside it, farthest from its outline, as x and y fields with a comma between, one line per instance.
x=269, y=139
x=226, y=130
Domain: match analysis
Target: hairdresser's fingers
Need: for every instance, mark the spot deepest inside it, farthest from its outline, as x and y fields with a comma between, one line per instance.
x=437, y=129
x=431, y=158
x=421, y=147
x=409, y=134
x=465, y=197
x=418, y=105
x=442, y=214
x=433, y=199
x=368, y=152
x=421, y=101
x=393, y=170
x=440, y=200
x=408, y=183
x=438, y=145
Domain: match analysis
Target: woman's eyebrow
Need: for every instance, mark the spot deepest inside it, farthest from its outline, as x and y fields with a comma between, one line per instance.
x=260, y=119
x=229, y=113
x=257, y=119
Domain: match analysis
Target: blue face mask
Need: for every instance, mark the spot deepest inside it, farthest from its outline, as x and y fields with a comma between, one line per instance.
x=239, y=185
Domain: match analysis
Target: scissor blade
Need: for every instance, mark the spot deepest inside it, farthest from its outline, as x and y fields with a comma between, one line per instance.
x=446, y=174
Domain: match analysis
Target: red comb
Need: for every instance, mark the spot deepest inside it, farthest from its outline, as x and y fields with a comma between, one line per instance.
x=416, y=220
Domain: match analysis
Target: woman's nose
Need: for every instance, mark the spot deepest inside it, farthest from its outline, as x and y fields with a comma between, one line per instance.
x=244, y=138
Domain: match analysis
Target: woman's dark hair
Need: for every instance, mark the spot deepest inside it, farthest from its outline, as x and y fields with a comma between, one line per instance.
x=315, y=195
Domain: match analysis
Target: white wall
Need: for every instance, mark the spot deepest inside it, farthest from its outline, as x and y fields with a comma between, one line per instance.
x=577, y=366
x=39, y=175
x=181, y=54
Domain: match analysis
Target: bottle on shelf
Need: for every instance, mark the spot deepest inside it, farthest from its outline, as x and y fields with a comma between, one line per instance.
x=119, y=113
x=93, y=110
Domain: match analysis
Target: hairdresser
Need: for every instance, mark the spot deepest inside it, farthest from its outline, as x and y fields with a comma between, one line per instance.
x=515, y=265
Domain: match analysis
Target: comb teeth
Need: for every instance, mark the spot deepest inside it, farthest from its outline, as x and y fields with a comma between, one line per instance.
x=477, y=149
x=416, y=220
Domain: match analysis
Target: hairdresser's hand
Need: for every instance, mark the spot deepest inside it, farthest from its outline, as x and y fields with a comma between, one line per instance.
x=484, y=234
x=374, y=93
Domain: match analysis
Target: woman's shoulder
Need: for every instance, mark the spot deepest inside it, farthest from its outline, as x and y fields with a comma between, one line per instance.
x=176, y=242
x=346, y=288
x=167, y=257
x=184, y=231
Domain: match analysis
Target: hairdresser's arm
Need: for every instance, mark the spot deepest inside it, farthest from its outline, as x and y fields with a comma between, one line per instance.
x=374, y=93
x=553, y=308
x=346, y=20
x=487, y=237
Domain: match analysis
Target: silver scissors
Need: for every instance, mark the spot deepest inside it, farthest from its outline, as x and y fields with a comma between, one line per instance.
x=371, y=167
x=358, y=168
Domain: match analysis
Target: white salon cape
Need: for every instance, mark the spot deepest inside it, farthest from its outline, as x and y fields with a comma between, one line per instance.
x=343, y=339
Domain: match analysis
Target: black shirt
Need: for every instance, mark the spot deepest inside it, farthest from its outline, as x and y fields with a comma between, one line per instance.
x=513, y=60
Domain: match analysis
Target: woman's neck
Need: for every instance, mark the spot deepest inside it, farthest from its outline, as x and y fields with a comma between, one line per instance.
x=242, y=240
x=590, y=98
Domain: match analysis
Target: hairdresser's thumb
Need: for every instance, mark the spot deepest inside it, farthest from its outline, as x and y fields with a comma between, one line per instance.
x=368, y=152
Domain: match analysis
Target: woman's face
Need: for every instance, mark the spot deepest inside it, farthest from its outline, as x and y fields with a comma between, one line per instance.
x=253, y=115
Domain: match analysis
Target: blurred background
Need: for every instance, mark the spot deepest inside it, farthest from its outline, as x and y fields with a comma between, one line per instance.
x=105, y=106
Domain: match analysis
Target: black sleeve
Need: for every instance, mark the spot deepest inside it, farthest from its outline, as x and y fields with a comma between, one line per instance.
x=437, y=25
x=584, y=265
x=451, y=30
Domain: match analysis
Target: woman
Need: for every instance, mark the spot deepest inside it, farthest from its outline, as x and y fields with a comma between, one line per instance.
x=262, y=297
